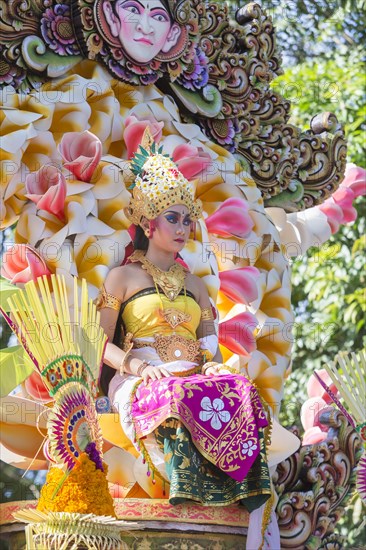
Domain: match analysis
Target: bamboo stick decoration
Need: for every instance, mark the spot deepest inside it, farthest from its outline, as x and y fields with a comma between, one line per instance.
x=348, y=372
x=42, y=320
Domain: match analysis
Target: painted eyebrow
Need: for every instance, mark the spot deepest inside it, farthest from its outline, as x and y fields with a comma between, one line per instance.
x=176, y=213
x=137, y=2
x=152, y=9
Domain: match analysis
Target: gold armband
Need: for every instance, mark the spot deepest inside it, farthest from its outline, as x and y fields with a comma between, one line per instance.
x=206, y=314
x=107, y=300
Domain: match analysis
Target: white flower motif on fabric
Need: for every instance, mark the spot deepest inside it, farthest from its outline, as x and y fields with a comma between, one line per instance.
x=214, y=412
x=248, y=448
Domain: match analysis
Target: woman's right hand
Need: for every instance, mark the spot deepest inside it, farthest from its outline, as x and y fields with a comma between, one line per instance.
x=151, y=373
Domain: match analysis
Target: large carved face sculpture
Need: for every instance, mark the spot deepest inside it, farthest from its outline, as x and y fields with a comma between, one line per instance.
x=144, y=27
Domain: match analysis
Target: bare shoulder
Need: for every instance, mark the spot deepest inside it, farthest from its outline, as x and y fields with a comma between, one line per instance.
x=120, y=280
x=114, y=281
x=197, y=286
x=124, y=270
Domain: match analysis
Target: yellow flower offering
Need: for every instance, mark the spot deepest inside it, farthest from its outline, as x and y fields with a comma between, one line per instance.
x=83, y=490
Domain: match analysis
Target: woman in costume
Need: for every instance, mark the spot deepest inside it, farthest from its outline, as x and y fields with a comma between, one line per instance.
x=160, y=320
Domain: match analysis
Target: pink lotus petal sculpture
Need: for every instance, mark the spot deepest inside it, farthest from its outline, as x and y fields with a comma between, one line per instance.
x=231, y=219
x=22, y=263
x=36, y=388
x=240, y=285
x=315, y=389
x=344, y=198
x=82, y=152
x=355, y=179
x=47, y=189
x=313, y=435
x=334, y=214
x=236, y=334
x=134, y=130
x=338, y=208
x=310, y=412
x=190, y=160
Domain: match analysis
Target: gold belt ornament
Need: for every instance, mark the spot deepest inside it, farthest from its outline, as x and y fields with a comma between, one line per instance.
x=174, y=348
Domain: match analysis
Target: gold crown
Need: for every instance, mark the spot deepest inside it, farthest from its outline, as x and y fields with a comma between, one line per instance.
x=159, y=185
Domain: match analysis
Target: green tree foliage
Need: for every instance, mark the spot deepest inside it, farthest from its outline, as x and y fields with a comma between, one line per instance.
x=307, y=29
x=328, y=282
x=335, y=85
x=15, y=487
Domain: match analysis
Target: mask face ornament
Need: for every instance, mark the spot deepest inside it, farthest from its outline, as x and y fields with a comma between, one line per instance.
x=144, y=29
x=138, y=41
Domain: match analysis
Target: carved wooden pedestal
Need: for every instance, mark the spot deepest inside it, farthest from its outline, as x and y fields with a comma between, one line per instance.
x=313, y=484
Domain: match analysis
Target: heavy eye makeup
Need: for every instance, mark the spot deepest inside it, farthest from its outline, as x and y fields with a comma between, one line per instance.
x=160, y=16
x=136, y=8
x=173, y=218
x=131, y=6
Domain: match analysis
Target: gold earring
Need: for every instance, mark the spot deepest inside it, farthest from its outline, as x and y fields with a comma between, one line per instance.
x=147, y=233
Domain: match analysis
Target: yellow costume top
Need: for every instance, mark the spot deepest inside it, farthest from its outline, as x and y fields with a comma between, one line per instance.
x=147, y=313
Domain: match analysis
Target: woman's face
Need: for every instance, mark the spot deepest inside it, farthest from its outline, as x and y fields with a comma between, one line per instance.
x=143, y=27
x=172, y=228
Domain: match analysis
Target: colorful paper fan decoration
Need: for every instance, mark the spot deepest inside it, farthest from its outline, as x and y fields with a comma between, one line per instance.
x=67, y=350
x=361, y=477
x=73, y=427
x=66, y=344
x=348, y=373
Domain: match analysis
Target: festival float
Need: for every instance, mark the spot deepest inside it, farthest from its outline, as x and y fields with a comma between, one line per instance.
x=88, y=86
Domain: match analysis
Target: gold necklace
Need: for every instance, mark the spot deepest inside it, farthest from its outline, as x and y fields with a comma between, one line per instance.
x=171, y=282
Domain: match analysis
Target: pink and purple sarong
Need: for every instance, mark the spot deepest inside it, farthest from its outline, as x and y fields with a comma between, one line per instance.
x=222, y=413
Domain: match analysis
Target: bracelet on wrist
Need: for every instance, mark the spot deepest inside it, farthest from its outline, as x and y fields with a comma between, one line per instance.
x=122, y=367
x=208, y=365
x=142, y=367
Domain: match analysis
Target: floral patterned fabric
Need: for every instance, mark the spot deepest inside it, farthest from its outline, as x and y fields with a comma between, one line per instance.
x=193, y=477
x=223, y=414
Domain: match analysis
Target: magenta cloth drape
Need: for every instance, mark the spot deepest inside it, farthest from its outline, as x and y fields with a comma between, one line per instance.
x=222, y=413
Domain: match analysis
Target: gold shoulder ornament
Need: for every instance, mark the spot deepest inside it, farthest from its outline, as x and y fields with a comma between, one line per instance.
x=104, y=299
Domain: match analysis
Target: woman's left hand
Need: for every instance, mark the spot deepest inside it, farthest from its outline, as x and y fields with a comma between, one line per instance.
x=216, y=370
x=151, y=373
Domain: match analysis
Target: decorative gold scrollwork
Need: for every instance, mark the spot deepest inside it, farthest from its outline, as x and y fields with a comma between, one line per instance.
x=231, y=98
